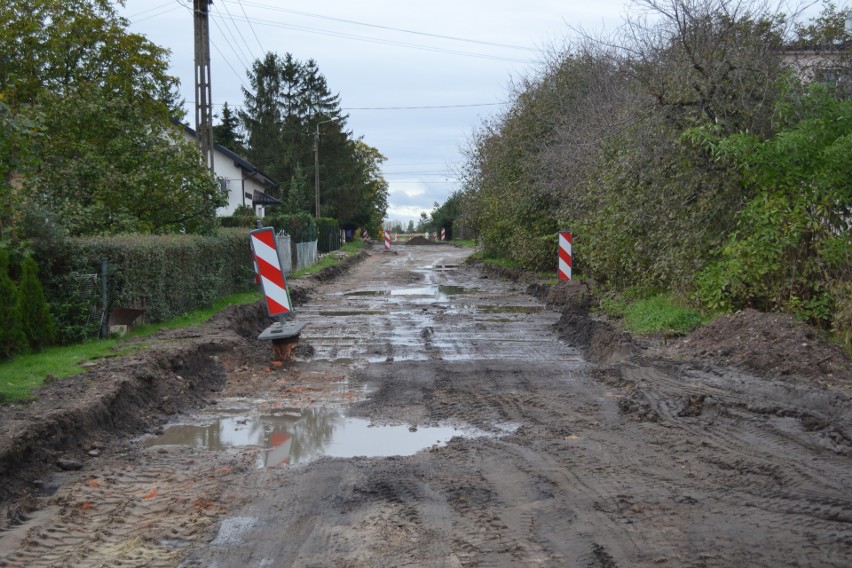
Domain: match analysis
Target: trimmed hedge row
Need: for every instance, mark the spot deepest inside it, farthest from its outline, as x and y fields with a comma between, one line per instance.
x=170, y=275
x=166, y=275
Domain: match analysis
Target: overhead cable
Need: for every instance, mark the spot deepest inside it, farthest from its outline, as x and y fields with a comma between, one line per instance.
x=391, y=28
x=251, y=27
x=239, y=31
x=380, y=41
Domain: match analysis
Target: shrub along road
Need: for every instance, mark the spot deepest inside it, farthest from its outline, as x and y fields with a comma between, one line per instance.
x=432, y=417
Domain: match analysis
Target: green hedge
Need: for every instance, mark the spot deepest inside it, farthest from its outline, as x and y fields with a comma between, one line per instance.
x=167, y=275
x=238, y=221
x=170, y=275
x=328, y=234
x=300, y=226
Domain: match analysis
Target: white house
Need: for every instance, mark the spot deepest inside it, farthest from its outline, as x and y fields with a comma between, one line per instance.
x=245, y=184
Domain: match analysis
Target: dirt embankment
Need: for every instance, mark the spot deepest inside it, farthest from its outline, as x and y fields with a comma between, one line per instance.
x=773, y=346
x=81, y=417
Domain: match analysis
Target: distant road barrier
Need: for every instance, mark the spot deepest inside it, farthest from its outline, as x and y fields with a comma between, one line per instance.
x=565, y=256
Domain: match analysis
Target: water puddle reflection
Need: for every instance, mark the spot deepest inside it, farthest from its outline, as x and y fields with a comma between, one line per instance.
x=299, y=435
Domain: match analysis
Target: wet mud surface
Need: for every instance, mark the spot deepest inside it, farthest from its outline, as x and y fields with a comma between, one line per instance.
x=435, y=415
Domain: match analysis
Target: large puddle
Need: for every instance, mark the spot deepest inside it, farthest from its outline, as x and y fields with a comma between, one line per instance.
x=299, y=435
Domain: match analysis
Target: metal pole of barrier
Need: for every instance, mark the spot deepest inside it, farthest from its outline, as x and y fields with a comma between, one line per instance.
x=104, y=299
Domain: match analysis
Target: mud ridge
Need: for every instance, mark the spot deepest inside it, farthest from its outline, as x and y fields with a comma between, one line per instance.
x=75, y=418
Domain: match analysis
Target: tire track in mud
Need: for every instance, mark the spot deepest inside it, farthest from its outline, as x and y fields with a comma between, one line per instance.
x=142, y=514
x=749, y=463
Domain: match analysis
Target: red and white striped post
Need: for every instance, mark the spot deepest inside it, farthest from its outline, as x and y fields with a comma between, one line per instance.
x=387, y=240
x=284, y=335
x=443, y=234
x=365, y=235
x=565, y=255
x=269, y=270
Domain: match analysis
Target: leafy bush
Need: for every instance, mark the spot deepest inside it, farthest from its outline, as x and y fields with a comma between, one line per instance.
x=792, y=248
x=300, y=226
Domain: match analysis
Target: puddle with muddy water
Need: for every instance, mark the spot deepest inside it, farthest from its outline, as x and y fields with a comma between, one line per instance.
x=291, y=435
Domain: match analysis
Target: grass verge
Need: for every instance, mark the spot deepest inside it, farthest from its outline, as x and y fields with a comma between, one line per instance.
x=329, y=260
x=658, y=314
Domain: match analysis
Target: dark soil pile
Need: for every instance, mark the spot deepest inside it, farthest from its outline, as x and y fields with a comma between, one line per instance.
x=420, y=241
x=775, y=346
x=770, y=345
x=600, y=341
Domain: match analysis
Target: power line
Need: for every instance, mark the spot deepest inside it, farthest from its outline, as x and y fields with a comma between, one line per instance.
x=441, y=174
x=262, y=51
x=241, y=56
x=231, y=67
x=152, y=16
x=425, y=107
x=385, y=41
x=391, y=28
x=242, y=37
x=225, y=59
x=421, y=182
x=136, y=15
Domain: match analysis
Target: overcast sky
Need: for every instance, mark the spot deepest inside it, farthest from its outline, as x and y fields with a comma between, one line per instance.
x=383, y=57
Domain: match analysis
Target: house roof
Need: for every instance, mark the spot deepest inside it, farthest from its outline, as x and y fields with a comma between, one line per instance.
x=259, y=198
x=240, y=162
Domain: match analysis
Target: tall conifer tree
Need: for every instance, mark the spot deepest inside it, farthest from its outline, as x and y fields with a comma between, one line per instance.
x=36, y=322
x=12, y=338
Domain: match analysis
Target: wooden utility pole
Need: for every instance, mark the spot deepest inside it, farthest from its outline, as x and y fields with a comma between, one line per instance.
x=203, y=91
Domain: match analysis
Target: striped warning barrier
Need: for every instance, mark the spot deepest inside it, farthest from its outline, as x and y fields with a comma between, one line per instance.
x=387, y=240
x=443, y=234
x=565, y=256
x=365, y=235
x=268, y=266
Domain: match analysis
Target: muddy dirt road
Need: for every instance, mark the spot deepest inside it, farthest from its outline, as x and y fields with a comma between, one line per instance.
x=433, y=417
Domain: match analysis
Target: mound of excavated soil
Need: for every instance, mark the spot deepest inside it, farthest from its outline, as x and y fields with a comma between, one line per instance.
x=420, y=241
x=773, y=345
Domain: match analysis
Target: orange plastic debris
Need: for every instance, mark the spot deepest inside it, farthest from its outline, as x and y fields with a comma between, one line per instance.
x=151, y=494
